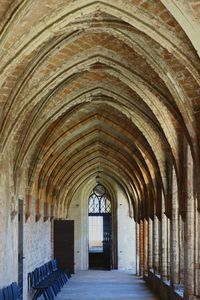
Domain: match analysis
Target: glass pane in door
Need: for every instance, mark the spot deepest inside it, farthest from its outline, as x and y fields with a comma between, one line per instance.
x=95, y=234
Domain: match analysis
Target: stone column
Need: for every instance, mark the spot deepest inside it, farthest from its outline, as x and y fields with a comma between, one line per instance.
x=168, y=247
x=163, y=241
x=174, y=242
x=137, y=229
x=150, y=244
x=190, y=232
x=145, y=247
x=164, y=247
x=28, y=199
x=198, y=255
x=155, y=245
x=141, y=248
x=182, y=252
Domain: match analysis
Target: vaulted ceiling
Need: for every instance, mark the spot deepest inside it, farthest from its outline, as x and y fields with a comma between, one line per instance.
x=98, y=86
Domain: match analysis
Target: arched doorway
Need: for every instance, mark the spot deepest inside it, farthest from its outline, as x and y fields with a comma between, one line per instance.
x=100, y=229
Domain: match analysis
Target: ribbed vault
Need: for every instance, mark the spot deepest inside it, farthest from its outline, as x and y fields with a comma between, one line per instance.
x=97, y=86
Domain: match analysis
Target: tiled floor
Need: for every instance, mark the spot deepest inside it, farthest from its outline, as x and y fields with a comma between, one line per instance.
x=105, y=285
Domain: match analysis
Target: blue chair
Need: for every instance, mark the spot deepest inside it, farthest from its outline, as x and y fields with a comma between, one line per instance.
x=59, y=273
x=54, y=277
x=55, y=267
x=48, y=294
x=41, y=286
x=15, y=291
x=7, y=293
x=1, y=295
x=46, y=279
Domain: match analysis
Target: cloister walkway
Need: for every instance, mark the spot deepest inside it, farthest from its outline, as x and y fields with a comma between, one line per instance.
x=105, y=285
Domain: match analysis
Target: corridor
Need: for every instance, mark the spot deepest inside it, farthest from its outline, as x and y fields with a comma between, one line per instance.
x=100, y=146
x=105, y=285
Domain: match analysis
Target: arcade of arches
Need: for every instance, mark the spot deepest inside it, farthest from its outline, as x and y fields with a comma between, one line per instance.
x=107, y=89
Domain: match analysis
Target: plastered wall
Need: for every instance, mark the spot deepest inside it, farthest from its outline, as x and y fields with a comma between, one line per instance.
x=126, y=235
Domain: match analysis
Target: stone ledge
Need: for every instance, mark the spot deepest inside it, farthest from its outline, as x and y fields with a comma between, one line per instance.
x=162, y=288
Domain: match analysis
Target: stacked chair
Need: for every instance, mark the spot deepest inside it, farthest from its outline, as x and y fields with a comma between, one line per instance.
x=47, y=280
x=10, y=292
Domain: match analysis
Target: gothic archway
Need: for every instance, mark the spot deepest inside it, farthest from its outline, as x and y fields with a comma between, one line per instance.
x=101, y=229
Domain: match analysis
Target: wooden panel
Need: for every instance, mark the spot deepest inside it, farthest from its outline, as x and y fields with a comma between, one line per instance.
x=64, y=244
x=107, y=246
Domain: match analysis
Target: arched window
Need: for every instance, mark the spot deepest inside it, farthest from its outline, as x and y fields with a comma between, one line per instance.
x=99, y=201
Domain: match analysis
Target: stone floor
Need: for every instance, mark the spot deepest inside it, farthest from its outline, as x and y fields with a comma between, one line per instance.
x=105, y=285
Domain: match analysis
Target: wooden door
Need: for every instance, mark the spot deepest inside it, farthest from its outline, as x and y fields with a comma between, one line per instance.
x=107, y=244
x=64, y=244
x=20, y=248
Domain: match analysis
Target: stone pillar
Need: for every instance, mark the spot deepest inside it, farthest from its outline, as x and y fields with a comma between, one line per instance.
x=28, y=199
x=145, y=247
x=190, y=232
x=137, y=229
x=164, y=247
x=174, y=243
x=198, y=255
x=155, y=245
x=150, y=244
x=182, y=252
x=163, y=241
x=168, y=247
x=141, y=248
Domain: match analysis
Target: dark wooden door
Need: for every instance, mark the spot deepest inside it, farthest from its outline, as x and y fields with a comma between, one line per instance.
x=20, y=248
x=64, y=244
x=107, y=249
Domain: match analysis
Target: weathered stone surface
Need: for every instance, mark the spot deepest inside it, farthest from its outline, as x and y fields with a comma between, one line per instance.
x=111, y=88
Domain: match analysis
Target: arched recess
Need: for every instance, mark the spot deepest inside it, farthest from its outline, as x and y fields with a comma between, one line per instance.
x=102, y=230
x=78, y=210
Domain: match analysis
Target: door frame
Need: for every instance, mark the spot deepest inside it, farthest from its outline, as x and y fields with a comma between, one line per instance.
x=111, y=244
x=114, y=256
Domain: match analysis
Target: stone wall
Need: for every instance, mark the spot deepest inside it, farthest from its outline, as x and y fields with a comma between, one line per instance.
x=8, y=225
x=37, y=246
x=36, y=235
